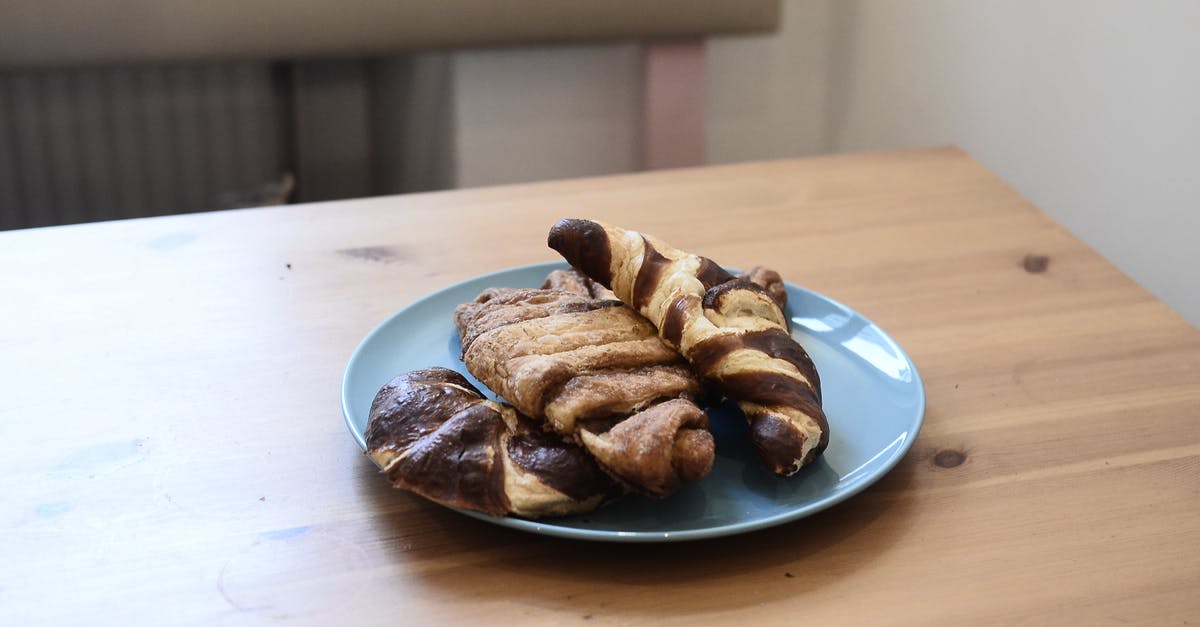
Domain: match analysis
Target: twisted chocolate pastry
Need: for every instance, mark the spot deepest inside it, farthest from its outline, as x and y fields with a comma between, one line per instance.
x=731, y=330
x=770, y=281
x=434, y=434
x=597, y=373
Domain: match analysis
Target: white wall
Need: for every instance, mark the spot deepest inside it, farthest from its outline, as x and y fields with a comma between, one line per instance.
x=1090, y=109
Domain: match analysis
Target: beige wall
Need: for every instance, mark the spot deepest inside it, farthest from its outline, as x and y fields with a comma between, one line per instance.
x=527, y=114
x=1088, y=108
x=768, y=95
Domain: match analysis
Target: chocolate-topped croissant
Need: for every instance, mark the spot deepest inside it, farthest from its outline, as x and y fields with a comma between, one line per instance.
x=596, y=373
x=434, y=434
x=731, y=330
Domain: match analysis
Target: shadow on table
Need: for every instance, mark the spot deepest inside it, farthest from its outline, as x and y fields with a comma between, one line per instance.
x=440, y=546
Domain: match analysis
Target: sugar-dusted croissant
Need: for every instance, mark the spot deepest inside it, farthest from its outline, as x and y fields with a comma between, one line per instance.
x=434, y=434
x=597, y=373
x=731, y=330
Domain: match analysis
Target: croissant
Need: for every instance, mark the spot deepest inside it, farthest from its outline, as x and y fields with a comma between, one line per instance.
x=434, y=434
x=597, y=374
x=731, y=330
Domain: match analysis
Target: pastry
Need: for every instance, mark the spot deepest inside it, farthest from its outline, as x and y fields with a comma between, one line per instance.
x=578, y=283
x=435, y=434
x=597, y=374
x=731, y=330
x=770, y=281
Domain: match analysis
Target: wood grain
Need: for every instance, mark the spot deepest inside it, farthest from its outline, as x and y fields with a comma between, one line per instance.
x=173, y=450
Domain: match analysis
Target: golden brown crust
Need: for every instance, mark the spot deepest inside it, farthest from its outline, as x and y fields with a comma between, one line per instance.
x=499, y=307
x=731, y=330
x=434, y=434
x=584, y=364
x=576, y=282
x=632, y=451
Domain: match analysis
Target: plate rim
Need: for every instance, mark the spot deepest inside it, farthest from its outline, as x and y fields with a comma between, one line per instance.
x=543, y=527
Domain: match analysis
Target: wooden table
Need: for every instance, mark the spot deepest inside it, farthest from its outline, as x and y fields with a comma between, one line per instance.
x=173, y=450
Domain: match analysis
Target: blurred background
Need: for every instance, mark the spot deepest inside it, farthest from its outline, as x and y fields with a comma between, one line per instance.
x=130, y=108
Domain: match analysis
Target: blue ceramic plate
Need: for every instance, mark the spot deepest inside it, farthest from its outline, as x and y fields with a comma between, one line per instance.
x=872, y=395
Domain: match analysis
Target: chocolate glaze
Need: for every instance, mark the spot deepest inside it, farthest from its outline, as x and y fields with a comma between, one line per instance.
x=774, y=438
x=772, y=390
x=776, y=343
x=675, y=317
x=648, y=276
x=414, y=404
x=714, y=295
x=562, y=466
x=452, y=440
x=767, y=388
x=780, y=345
x=584, y=244
x=711, y=273
x=458, y=463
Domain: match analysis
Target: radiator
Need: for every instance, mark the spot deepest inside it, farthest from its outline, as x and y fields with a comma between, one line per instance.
x=98, y=144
